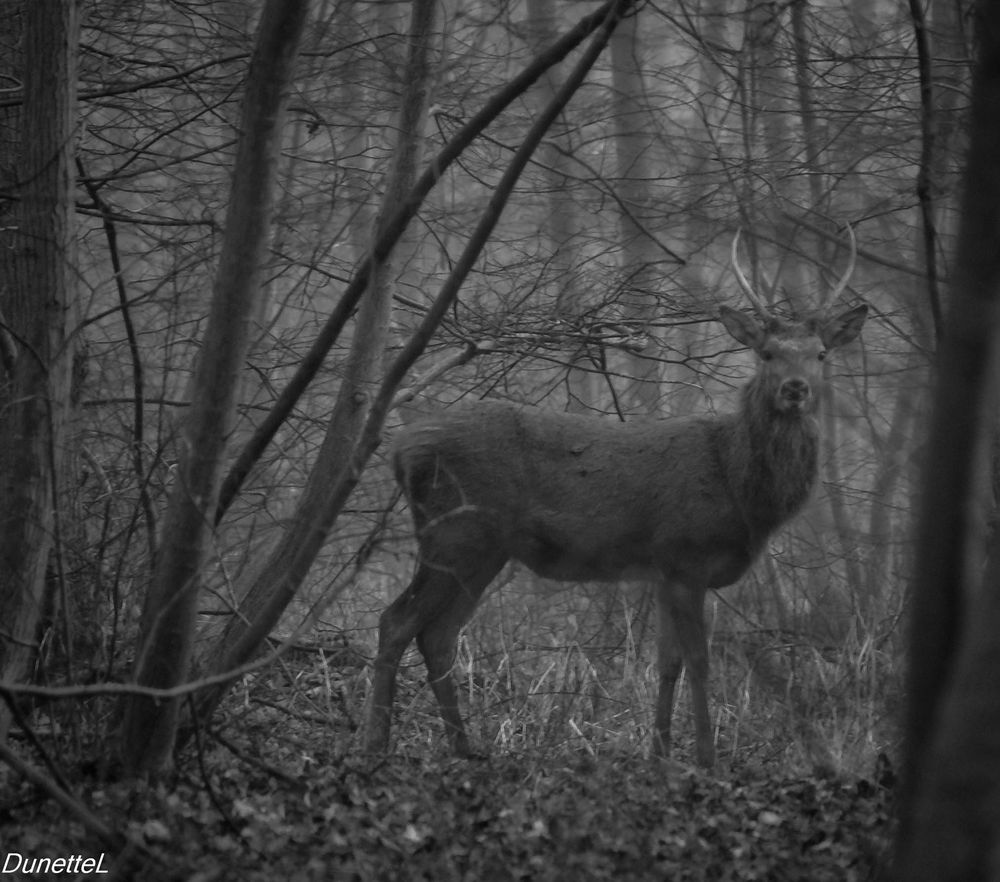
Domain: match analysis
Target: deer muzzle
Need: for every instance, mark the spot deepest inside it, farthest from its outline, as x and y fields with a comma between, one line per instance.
x=794, y=394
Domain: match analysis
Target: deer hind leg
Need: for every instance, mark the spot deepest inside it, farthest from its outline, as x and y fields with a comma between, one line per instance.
x=399, y=623
x=682, y=637
x=669, y=662
x=438, y=639
x=432, y=609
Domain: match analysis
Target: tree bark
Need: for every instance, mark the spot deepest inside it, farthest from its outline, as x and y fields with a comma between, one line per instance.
x=168, y=616
x=38, y=315
x=634, y=170
x=560, y=223
x=950, y=814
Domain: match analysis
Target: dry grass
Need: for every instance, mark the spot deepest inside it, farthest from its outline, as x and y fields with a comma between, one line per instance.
x=775, y=699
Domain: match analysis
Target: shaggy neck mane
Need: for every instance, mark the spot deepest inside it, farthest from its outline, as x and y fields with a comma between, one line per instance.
x=773, y=458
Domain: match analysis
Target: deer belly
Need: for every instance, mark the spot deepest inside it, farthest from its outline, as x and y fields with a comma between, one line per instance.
x=574, y=561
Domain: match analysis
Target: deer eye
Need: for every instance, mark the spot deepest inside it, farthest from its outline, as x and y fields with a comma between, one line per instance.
x=821, y=355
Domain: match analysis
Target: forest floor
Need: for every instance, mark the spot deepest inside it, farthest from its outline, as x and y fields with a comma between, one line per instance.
x=505, y=818
x=280, y=793
x=433, y=818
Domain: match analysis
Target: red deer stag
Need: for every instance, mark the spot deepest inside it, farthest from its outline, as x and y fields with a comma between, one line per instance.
x=687, y=501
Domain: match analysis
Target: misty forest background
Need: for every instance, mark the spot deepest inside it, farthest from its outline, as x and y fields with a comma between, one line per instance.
x=596, y=291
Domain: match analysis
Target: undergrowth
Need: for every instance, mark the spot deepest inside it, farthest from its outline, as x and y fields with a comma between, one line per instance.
x=802, y=790
x=775, y=702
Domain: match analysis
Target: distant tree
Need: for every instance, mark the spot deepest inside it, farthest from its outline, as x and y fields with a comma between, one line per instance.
x=636, y=150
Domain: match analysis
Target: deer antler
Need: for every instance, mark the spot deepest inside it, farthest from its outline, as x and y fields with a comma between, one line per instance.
x=846, y=277
x=745, y=285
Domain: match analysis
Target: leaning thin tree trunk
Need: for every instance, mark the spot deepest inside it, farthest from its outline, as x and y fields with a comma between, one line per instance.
x=168, y=617
x=37, y=317
x=362, y=372
x=951, y=801
x=281, y=576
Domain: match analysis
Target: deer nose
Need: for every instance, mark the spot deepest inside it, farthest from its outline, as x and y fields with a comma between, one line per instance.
x=795, y=391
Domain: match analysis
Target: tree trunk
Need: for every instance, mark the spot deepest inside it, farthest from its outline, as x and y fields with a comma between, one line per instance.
x=951, y=801
x=836, y=610
x=634, y=171
x=38, y=315
x=168, y=616
x=560, y=224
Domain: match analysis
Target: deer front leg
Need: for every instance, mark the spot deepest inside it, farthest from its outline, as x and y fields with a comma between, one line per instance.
x=682, y=622
x=689, y=623
x=669, y=664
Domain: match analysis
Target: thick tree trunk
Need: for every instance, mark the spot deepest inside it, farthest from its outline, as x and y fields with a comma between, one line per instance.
x=951, y=801
x=168, y=617
x=37, y=316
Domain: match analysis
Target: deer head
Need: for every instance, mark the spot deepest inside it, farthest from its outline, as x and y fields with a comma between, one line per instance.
x=792, y=353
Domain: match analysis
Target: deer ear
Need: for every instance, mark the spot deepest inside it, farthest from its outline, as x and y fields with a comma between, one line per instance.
x=842, y=329
x=742, y=327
